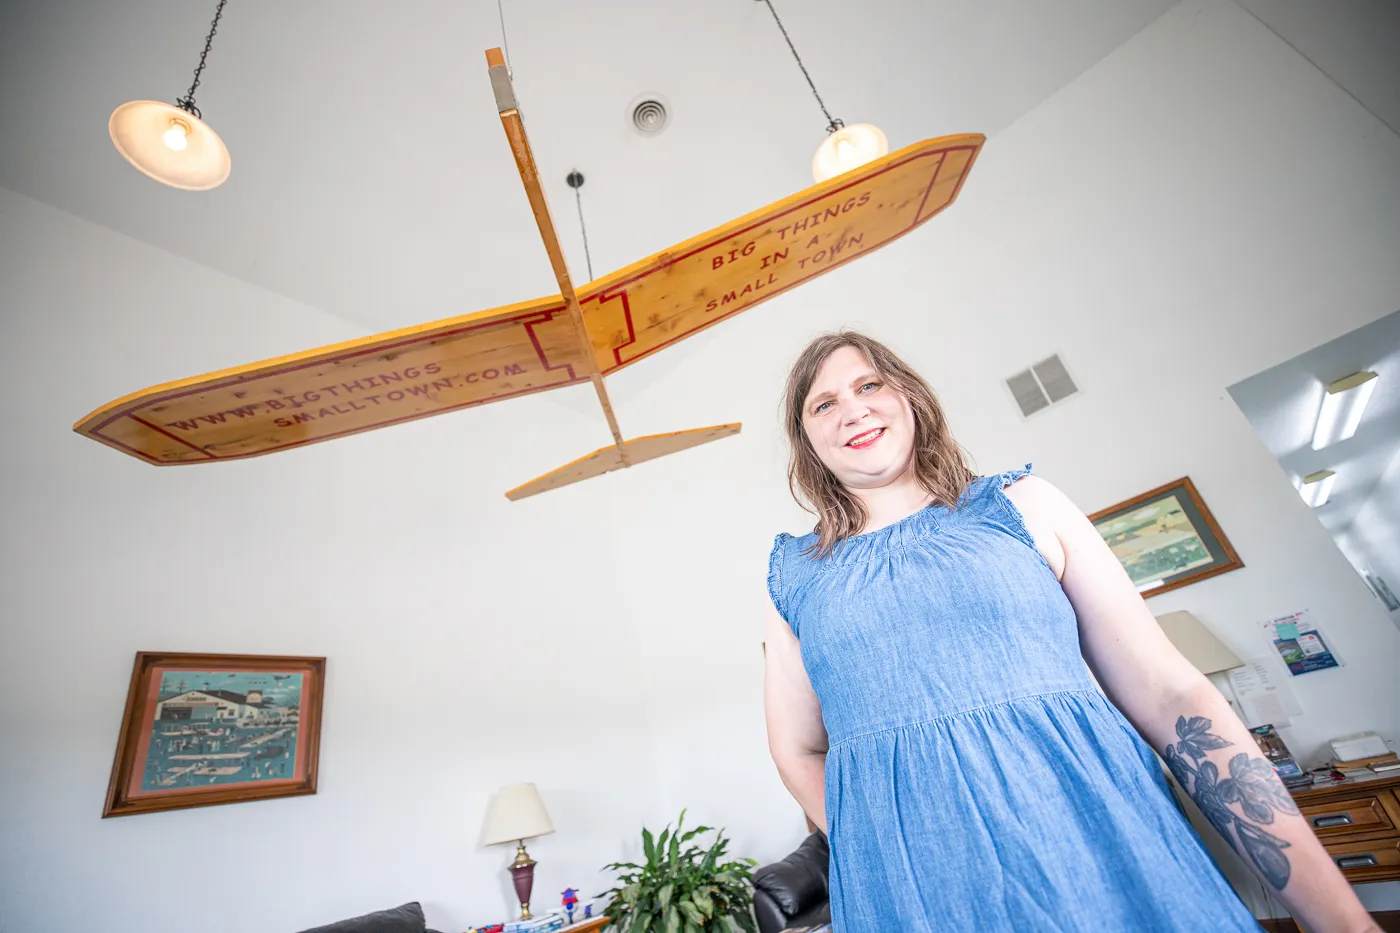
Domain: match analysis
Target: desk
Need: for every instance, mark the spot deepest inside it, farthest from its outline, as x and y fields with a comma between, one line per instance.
x=1358, y=822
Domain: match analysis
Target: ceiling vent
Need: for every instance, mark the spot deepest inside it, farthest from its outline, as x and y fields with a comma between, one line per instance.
x=649, y=114
x=1041, y=386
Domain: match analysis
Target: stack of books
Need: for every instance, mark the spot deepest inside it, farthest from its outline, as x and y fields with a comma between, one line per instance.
x=1292, y=776
x=537, y=925
x=553, y=921
x=1368, y=767
x=1285, y=765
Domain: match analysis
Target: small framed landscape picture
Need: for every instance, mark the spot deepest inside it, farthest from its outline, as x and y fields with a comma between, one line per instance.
x=1166, y=538
x=205, y=729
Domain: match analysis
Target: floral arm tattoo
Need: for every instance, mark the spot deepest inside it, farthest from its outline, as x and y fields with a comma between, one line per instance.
x=1251, y=786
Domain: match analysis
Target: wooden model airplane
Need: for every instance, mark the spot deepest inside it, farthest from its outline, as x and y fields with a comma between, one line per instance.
x=565, y=339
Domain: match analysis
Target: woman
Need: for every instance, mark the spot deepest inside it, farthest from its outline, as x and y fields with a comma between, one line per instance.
x=928, y=700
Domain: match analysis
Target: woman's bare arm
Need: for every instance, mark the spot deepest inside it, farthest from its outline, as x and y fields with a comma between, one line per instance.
x=796, y=734
x=1209, y=751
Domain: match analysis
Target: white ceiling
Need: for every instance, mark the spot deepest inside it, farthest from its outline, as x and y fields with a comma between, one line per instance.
x=1354, y=42
x=1282, y=404
x=371, y=178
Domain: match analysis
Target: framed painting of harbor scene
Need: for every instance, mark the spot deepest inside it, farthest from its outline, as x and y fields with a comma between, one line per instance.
x=1166, y=538
x=205, y=729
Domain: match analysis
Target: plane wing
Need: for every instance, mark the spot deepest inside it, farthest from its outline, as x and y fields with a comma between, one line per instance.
x=443, y=366
x=652, y=304
x=345, y=388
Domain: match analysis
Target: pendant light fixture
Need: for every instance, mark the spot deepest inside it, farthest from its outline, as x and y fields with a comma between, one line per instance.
x=845, y=147
x=173, y=144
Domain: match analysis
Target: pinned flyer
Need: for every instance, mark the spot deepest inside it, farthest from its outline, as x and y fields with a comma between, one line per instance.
x=1300, y=644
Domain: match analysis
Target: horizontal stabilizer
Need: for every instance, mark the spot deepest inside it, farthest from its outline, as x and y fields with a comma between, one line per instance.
x=606, y=459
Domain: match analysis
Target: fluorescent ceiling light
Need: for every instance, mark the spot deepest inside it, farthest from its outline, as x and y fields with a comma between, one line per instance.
x=1317, y=487
x=1343, y=404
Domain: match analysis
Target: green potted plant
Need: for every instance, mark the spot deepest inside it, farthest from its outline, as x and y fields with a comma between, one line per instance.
x=682, y=890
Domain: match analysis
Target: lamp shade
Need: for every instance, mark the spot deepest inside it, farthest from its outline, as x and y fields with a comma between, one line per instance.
x=848, y=148
x=1206, y=653
x=516, y=813
x=169, y=144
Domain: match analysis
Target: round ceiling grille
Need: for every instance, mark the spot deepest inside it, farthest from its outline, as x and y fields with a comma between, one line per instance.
x=649, y=116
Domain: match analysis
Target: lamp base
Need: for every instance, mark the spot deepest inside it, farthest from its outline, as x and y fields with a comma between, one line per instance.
x=522, y=874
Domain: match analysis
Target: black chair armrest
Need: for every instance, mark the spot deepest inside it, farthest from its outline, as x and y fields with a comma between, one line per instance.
x=766, y=911
x=798, y=882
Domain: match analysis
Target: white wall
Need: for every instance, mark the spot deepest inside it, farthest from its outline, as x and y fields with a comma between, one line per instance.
x=469, y=641
x=1199, y=206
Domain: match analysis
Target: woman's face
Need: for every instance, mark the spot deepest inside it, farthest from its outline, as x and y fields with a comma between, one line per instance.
x=860, y=427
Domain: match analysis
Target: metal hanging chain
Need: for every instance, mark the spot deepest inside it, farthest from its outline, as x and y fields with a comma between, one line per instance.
x=505, y=42
x=186, y=103
x=575, y=181
x=833, y=124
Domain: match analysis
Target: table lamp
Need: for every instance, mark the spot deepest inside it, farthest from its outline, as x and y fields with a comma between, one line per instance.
x=516, y=814
x=1206, y=653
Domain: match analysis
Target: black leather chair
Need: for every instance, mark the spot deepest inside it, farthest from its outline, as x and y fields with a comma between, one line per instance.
x=793, y=893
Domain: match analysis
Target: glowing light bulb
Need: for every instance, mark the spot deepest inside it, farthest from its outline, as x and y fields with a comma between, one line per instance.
x=169, y=144
x=848, y=148
x=176, y=137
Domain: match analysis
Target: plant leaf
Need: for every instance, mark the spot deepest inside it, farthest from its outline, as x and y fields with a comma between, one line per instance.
x=649, y=844
x=661, y=843
x=1265, y=850
x=692, y=913
x=672, y=921
x=665, y=894
x=1260, y=789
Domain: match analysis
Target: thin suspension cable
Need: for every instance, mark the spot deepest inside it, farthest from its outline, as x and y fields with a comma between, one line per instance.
x=505, y=42
x=833, y=124
x=186, y=103
x=578, y=199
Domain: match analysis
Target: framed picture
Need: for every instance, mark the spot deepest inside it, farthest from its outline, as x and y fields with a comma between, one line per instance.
x=1166, y=538
x=205, y=729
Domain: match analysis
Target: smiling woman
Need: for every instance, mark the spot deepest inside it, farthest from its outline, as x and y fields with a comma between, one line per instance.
x=899, y=425
x=929, y=699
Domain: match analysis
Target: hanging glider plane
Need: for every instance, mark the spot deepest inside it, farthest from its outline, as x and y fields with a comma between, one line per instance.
x=579, y=335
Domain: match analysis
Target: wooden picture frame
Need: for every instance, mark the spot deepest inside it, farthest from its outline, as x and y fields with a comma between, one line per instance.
x=1166, y=538
x=207, y=729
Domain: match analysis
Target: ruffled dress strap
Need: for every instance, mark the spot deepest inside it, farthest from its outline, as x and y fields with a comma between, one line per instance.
x=1012, y=476
x=1011, y=516
x=776, y=560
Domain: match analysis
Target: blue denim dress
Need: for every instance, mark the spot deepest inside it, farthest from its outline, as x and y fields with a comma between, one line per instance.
x=977, y=780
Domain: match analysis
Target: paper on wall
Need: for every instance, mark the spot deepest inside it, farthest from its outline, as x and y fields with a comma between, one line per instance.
x=1264, y=697
x=1299, y=643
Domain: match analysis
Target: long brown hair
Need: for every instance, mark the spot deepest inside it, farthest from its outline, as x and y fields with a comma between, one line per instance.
x=940, y=465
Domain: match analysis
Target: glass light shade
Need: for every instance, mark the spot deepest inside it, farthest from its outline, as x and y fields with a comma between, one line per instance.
x=847, y=148
x=1316, y=488
x=141, y=131
x=1343, y=404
